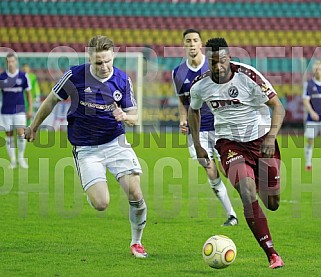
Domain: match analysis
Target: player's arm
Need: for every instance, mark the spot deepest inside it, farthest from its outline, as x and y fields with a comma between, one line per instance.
x=129, y=117
x=194, y=121
x=278, y=113
x=182, y=115
x=194, y=118
x=44, y=110
x=309, y=109
x=30, y=104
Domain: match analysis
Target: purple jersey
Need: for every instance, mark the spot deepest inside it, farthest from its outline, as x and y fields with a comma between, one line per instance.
x=183, y=76
x=13, y=87
x=312, y=91
x=90, y=118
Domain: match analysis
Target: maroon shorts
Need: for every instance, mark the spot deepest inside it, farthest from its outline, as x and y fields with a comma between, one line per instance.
x=243, y=159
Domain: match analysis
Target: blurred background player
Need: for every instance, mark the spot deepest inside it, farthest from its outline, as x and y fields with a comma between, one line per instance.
x=312, y=105
x=13, y=85
x=183, y=76
x=248, y=117
x=102, y=99
x=35, y=90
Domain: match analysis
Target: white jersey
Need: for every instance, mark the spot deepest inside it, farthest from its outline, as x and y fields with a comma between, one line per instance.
x=238, y=105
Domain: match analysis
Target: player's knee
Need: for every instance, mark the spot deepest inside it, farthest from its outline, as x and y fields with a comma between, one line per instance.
x=101, y=205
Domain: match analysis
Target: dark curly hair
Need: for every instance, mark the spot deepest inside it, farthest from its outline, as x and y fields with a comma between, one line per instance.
x=216, y=44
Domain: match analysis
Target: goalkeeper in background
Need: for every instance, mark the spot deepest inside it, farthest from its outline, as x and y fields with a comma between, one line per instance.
x=35, y=90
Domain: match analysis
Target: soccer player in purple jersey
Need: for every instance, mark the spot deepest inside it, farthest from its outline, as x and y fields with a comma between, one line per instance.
x=102, y=99
x=312, y=104
x=13, y=84
x=183, y=76
x=248, y=116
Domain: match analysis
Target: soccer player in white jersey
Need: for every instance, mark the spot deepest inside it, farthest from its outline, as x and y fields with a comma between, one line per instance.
x=248, y=115
x=312, y=105
x=183, y=76
x=13, y=84
x=102, y=99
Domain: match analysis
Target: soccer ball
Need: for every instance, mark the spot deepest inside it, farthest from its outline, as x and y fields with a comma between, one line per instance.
x=219, y=251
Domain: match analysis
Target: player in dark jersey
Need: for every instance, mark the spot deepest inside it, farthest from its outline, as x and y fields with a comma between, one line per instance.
x=248, y=116
x=13, y=84
x=312, y=104
x=102, y=99
x=183, y=76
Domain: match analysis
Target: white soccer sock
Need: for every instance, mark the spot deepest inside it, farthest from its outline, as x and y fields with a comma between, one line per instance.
x=21, y=143
x=137, y=218
x=11, y=148
x=220, y=191
x=308, y=154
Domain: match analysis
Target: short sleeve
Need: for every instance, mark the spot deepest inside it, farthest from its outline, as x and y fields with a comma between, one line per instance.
x=128, y=101
x=63, y=87
x=196, y=100
x=305, y=93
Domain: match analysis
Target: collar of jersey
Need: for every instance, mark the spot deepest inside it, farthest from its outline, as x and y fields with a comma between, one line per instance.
x=99, y=79
x=11, y=75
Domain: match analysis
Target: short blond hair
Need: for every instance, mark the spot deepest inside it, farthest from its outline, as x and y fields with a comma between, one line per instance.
x=99, y=44
x=315, y=66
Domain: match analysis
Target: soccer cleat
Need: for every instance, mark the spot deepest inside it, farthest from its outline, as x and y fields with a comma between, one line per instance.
x=231, y=221
x=276, y=261
x=138, y=250
x=308, y=168
x=23, y=163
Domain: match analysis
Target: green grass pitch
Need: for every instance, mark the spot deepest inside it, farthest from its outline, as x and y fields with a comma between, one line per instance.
x=48, y=228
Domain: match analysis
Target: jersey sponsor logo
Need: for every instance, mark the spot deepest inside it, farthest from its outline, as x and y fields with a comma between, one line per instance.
x=117, y=95
x=88, y=89
x=14, y=89
x=233, y=91
x=97, y=106
x=215, y=104
x=187, y=81
x=314, y=95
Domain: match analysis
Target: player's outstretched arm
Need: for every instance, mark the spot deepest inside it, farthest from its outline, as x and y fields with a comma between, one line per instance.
x=44, y=110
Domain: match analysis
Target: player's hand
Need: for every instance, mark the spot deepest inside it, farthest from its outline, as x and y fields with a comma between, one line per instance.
x=30, y=135
x=118, y=113
x=268, y=147
x=183, y=127
x=29, y=115
x=315, y=116
x=202, y=157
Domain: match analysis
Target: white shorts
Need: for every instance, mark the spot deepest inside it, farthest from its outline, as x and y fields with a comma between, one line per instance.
x=207, y=140
x=312, y=129
x=13, y=121
x=92, y=161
